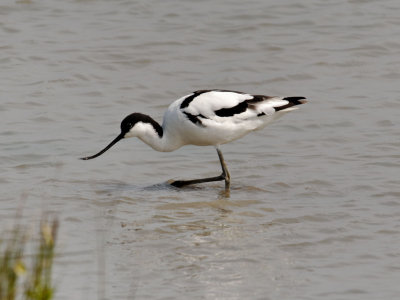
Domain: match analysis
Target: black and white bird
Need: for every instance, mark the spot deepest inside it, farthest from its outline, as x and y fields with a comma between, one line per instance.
x=205, y=118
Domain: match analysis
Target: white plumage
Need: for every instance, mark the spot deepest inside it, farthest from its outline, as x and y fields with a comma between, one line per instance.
x=204, y=118
x=212, y=129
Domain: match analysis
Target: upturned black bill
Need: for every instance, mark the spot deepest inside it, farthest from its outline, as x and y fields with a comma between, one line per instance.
x=121, y=136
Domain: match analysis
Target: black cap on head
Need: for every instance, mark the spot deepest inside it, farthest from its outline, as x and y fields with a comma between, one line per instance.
x=132, y=119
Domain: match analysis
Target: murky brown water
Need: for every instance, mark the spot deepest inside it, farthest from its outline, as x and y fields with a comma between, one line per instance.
x=314, y=209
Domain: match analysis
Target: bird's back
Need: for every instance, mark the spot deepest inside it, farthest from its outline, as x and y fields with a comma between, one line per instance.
x=214, y=117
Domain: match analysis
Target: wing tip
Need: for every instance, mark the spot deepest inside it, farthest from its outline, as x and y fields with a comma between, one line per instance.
x=293, y=101
x=296, y=100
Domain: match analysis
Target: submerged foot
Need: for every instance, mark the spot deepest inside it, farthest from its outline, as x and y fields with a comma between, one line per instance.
x=177, y=183
x=181, y=183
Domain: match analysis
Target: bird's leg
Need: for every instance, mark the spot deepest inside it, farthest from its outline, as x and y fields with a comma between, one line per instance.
x=224, y=176
x=225, y=173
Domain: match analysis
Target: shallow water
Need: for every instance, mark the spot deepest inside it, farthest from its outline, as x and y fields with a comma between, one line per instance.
x=314, y=208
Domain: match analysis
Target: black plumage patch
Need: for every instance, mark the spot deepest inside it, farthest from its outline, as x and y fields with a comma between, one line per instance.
x=134, y=118
x=292, y=102
x=194, y=119
x=258, y=98
x=295, y=100
x=186, y=102
x=230, y=111
x=241, y=107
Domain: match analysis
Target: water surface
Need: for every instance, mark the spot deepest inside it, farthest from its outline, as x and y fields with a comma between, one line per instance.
x=314, y=208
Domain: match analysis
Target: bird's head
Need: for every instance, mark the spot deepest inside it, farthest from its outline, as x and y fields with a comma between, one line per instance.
x=132, y=126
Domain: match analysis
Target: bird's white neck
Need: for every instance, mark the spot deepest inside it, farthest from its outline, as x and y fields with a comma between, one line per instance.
x=155, y=136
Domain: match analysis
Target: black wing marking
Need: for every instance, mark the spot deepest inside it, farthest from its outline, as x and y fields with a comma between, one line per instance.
x=195, y=119
x=241, y=107
x=230, y=111
x=186, y=102
x=292, y=102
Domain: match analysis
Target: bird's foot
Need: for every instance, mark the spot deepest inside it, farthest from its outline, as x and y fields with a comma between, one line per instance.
x=181, y=183
x=177, y=183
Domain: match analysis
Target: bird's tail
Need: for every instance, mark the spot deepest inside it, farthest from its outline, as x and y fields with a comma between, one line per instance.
x=292, y=101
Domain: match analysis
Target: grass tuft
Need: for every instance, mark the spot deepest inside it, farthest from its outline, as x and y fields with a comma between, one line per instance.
x=16, y=279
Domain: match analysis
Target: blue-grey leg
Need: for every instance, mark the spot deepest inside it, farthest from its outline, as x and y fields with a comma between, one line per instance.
x=224, y=176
